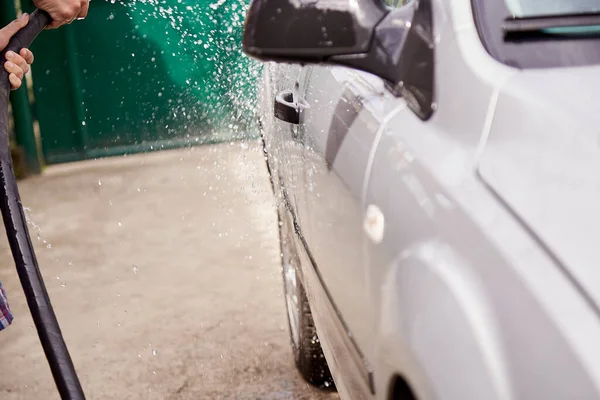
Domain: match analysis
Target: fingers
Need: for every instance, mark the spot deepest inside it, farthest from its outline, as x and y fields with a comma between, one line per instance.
x=27, y=55
x=15, y=25
x=55, y=24
x=63, y=11
x=17, y=65
x=84, y=10
x=19, y=62
x=15, y=81
x=9, y=30
x=14, y=69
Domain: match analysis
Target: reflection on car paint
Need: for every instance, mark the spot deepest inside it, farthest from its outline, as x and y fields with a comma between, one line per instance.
x=374, y=223
x=345, y=114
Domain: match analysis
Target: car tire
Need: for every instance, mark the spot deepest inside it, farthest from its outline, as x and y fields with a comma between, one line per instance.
x=308, y=354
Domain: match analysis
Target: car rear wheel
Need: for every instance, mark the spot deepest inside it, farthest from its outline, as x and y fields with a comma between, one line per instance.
x=306, y=346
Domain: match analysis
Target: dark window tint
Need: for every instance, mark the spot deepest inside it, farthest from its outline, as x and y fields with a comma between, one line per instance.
x=529, y=8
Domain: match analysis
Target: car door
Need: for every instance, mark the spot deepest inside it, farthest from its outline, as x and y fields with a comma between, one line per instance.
x=284, y=142
x=347, y=108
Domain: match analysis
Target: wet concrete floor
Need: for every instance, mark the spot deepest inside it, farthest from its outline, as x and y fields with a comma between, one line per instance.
x=164, y=273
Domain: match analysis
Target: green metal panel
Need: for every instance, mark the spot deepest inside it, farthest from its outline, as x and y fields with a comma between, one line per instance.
x=141, y=76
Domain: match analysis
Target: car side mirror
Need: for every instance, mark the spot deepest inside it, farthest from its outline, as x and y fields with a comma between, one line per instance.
x=395, y=45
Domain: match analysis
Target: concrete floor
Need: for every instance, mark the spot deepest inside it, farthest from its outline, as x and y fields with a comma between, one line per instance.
x=164, y=273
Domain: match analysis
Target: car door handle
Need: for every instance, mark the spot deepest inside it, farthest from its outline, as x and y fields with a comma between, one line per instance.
x=288, y=108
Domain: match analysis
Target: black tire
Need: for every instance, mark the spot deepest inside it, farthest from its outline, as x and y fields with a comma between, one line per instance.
x=306, y=347
x=309, y=356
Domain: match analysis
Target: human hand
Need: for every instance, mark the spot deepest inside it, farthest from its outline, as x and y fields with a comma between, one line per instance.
x=63, y=11
x=17, y=65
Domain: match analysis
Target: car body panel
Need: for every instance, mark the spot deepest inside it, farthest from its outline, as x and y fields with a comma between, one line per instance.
x=463, y=295
x=273, y=77
x=346, y=104
x=542, y=158
x=353, y=378
x=454, y=298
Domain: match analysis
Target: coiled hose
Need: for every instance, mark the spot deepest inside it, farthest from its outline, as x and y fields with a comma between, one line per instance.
x=21, y=246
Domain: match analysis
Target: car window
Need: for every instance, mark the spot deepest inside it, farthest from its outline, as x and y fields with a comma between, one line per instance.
x=550, y=46
x=528, y=8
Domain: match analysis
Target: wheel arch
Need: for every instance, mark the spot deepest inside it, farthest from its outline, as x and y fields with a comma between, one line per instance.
x=400, y=389
x=437, y=328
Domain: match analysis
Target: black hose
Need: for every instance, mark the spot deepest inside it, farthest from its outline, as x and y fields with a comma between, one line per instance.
x=47, y=326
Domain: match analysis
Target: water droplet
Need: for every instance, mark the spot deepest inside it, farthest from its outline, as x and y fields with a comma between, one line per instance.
x=134, y=268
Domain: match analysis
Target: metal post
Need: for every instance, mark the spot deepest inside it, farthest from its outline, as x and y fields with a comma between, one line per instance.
x=21, y=106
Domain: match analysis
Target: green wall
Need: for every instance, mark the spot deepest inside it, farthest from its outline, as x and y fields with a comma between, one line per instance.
x=144, y=75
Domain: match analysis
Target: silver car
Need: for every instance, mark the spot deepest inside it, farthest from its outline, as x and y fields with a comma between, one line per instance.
x=437, y=164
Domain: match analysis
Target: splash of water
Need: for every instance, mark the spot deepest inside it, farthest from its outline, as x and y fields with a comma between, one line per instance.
x=36, y=227
x=201, y=44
